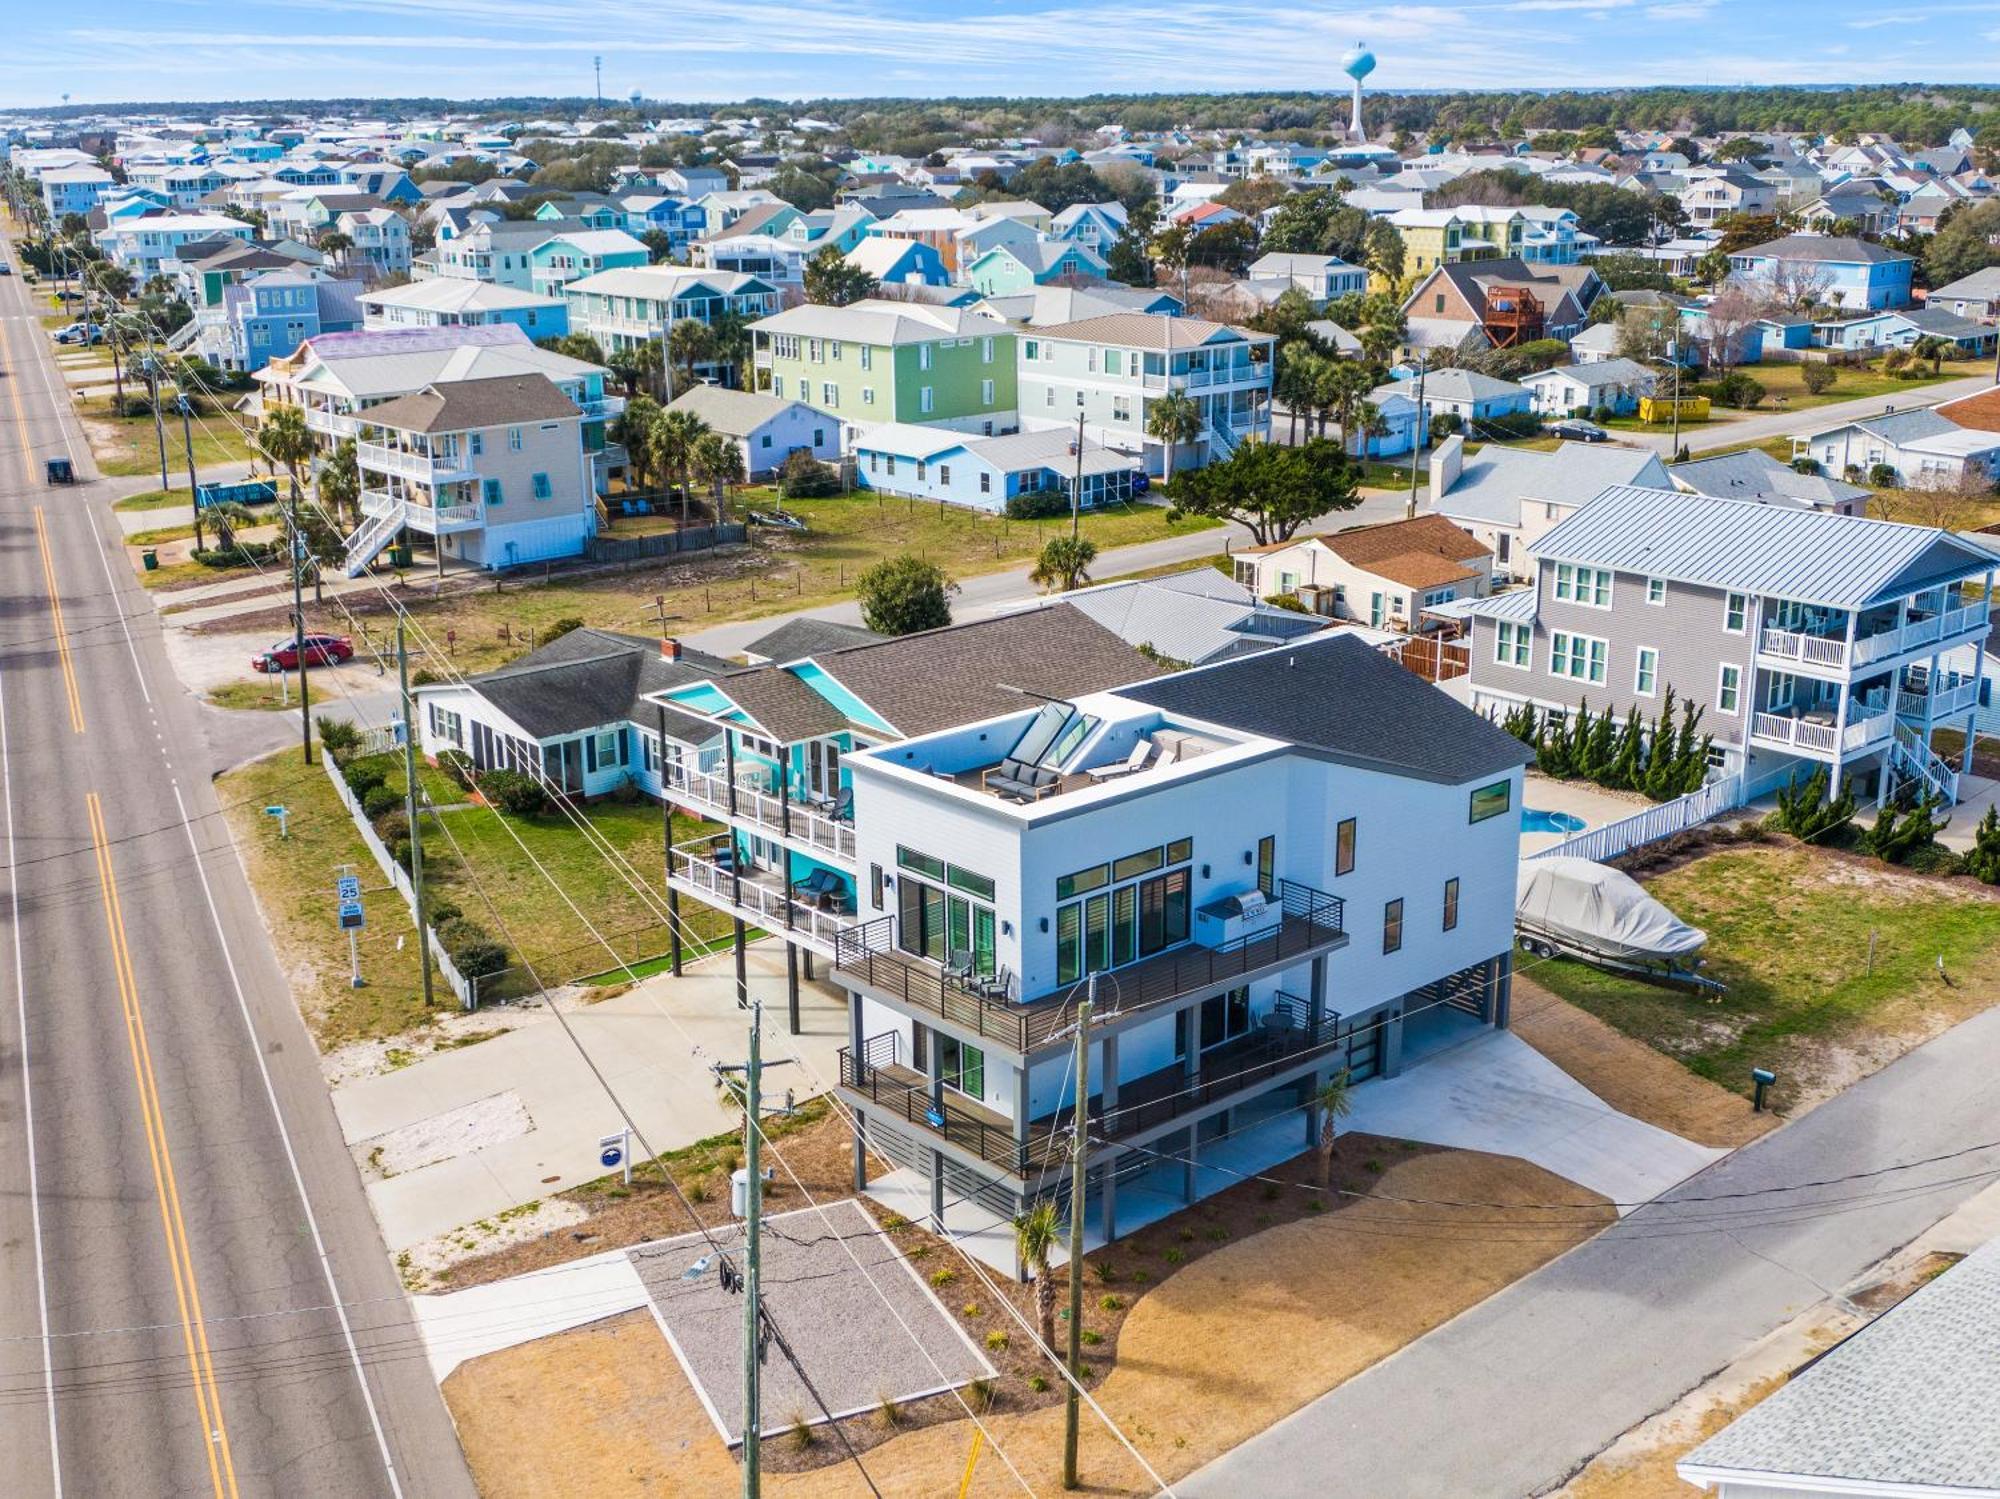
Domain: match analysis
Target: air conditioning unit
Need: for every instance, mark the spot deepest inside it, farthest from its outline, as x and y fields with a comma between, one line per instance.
x=1236, y=918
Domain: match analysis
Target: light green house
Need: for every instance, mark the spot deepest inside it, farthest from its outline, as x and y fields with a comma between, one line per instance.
x=882, y=361
x=1008, y=270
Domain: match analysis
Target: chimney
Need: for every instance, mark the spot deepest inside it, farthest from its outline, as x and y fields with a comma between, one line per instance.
x=1447, y=459
x=670, y=648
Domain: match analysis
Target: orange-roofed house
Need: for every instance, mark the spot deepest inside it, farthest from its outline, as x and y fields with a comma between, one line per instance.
x=1384, y=576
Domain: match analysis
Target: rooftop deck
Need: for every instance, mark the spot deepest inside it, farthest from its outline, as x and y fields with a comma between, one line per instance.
x=866, y=957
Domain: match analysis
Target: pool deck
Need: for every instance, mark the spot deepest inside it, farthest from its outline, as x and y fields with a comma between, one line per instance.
x=1593, y=804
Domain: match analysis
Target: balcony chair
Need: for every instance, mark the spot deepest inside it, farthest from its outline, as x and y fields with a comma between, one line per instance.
x=1000, y=986
x=958, y=965
x=1142, y=752
x=1019, y=781
x=821, y=889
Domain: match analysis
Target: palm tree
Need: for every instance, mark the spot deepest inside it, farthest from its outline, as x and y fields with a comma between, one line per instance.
x=335, y=244
x=284, y=440
x=1064, y=563
x=1334, y=1105
x=1299, y=365
x=718, y=462
x=1036, y=1234
x=730, y=343
x=1930, y=347
x=339, y=481
x=673, y=438
x=227, y=518
x=689, y=343
x=633, y=431
x=1173, y=420
x=1347, y=387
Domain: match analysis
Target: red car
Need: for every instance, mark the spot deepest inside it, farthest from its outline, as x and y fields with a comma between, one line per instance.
x=321, y=650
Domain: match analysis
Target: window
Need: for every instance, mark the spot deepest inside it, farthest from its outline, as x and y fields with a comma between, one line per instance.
x=1647, y=674
x=986, y=350
x=924, y=402
x=513, y=439
x=867, y=357
x=1048, y=395
x=986, y=389
x=1392, y=925
x=875, y=886
x=1729, y=690
x=923, y=356
x=1656, y=591
x=1343, y=846
x=944, y=473
x=1491, y=801
x=1141, y=913
x=1030, y=351
x=961, y=1066
x=829, y=393
x=1451, y=904
x=1589, y=586
x=1513, y=644
x=1577, y=656
x=1224, y=1017
x=868, y=395
x=1267, y=865
x=478, y=443
x=985, y=483
x=1121, y=408
x=542, y=490
x=1734, y=610
x=493, y=496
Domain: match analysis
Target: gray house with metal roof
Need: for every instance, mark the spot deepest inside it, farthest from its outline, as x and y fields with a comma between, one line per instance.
x=1907, y=1407
x=1912, y=449
x=1806, y=638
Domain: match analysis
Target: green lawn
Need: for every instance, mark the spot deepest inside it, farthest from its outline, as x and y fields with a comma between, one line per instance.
x=294, y=883
x=153, y=499
x=782, y=571
x=1851, y=383
x=1789, y=933
x=553, y=938
x=265, y=693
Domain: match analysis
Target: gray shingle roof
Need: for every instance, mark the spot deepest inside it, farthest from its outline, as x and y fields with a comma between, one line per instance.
x=796, y=639
x=780, y=704
x=1756, y=475
x=1343, y=699
x=943, y=678
x=1829, y=249
x=1840, y=561
x=589, y=678
x=1911, y=1399
x=735, y=413
x=469, y=405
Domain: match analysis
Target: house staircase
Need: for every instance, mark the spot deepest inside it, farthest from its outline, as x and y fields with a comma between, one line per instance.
x=366, y=544
x=1912, y=762
x=183, y=336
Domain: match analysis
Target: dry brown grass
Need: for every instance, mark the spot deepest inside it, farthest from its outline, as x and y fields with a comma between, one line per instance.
x=1631, y=1076
x=605, y=1410
x=1650, y=1474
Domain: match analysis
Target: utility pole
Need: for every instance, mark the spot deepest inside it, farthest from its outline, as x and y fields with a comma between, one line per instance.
x=1076, y=485
x=410, y=802
x=1417, y=439
x=194, y=488
x=1079, y=1142
x=298, y=545
x=753, y=1212
x=153, y=400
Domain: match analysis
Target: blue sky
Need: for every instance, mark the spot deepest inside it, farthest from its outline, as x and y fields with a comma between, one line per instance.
x=103, y=50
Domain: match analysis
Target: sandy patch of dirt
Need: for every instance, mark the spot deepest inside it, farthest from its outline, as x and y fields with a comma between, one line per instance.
x=1631, y=1076
x=443, y=1137
x=448, y=1031
x=427, y=1266
x=605, y=1410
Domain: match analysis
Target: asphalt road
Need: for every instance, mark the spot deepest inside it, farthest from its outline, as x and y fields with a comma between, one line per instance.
x=194, y=1298
x=1511, y=1397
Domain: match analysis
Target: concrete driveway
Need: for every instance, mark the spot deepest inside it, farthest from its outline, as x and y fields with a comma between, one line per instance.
x=491, y=1126
x=1496, y=1093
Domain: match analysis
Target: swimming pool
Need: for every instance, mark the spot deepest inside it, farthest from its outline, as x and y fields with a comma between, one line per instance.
x=1535, y=820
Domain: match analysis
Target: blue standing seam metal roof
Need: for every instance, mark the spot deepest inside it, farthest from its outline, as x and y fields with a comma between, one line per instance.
x=1840, y=561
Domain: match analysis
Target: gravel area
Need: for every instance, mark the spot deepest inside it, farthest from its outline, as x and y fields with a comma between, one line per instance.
x=853, y=1348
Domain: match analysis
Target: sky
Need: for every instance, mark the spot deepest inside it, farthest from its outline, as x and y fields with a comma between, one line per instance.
x=719, y=50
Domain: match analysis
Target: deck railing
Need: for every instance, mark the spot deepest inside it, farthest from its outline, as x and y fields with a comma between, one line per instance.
x=797, y=821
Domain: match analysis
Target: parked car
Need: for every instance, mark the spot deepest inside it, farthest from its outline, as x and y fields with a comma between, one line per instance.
x=1576, y=429
x=321, y=650
x=6, y=269
x=79, y=333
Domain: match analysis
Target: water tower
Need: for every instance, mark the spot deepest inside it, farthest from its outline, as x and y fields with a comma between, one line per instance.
x=1357, y=64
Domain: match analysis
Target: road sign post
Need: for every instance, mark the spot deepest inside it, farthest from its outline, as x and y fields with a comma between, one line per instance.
x=281, y=812
x=347, y=891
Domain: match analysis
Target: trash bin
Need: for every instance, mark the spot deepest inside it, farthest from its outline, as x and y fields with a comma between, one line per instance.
x=399, y=556
x=151, y=557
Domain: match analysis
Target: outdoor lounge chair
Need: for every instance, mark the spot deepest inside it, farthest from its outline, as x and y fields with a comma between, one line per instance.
x=1000, y=986
x=959, y=964
x=822, y=888
x=1019, y=781
x=1142, y=751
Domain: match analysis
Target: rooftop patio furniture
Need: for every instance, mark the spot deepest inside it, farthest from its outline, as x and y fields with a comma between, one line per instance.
x=1142, y=752
x=1020, y=781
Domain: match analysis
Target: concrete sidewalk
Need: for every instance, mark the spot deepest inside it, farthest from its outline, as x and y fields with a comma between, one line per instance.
x=1498, y=1094
x=513, y=1119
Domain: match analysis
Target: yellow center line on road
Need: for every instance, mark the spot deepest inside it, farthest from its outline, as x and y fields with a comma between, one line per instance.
x=194, y=1332
x=55, y=612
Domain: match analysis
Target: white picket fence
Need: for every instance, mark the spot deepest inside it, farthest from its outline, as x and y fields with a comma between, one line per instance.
x=466, y=989
x=1621, y=837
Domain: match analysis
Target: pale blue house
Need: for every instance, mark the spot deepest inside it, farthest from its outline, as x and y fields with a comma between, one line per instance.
x=899, y=262
x=1009, y=269
x=1834, y=268
x=984, y=473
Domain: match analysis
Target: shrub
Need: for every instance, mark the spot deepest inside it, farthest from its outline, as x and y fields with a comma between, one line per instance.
x=997, y=1339
x=1037, y=504
x=1090, y=1336
x=561, y=628
x=1809, y=814
x=904, y=594
x=1514, y=424
x=378, y=799
x=1111, y=1303
x=803, y=477
x=478, y=958
x=1896, y=838
x=1882, y=476
x=392, y=826
x=363, y=776
x=441, y=911
x=400, y=849
x=944, y=1277
x=1983, y=862
x=514, y=792
x=336, y=736
x=243, y=554
x=1038, y=1383
x=1805, y=465
x=1444, y=424
x=1602, y=414
x=458, y=765
x=800, y=1432
x=891, y=1410
x=979, y=1394
x=1735, y=389
x=1289, y=601
x=1818, y=378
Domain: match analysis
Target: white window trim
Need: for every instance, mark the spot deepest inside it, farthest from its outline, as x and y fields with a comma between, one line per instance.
x=1729, y=629
x=1507, y=637
x=1658, y=585
x=1722, y=671
x=1559, y=658
x=1639, y=671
